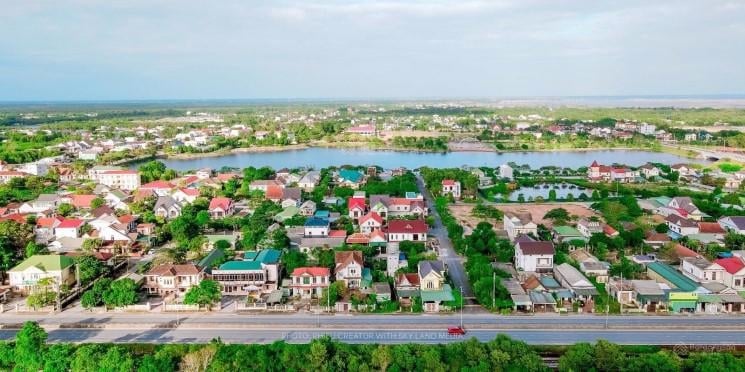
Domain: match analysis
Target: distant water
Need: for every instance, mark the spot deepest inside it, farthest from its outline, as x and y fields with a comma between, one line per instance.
x=319, y=157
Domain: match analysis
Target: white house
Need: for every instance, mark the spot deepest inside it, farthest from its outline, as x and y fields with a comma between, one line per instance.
x=369, y=222
x=308, y=282
x=69, y=228
x=316, y=227
x=506, y=172
x=681, y=226
x=520, y=223
x=121, y=179
x=734, y=272
x=701, y=270
x=26, y=275
x=587, y=227
x=348, y=269
x=172, y=279
x=534, y=256
x=411, y=230
x=451, y=187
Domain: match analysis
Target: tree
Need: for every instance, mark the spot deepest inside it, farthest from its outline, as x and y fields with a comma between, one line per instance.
x=94, y=296
x=552, y=195
x=381, y=357
x=183, y=228
x=44, y=295
x=558, y=215
x=91, y=245
x=332, y=294
x=198, y=360
x=318, y=354
x=57, y=357
x=151, y=171
x=121, y=292
x=32, y=249
x=65, y=209
x=207, y=293
x=294, y=259
x=97, y=202
x=661, y=228
x=89, y=268
x=203, y=218
x=30, y=341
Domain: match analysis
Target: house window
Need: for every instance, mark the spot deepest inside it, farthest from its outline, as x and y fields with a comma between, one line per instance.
x=306, y=280
x=738, y=282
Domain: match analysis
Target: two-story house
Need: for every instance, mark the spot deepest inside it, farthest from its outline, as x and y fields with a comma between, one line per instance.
x=356, y=207
x=309, y=282
x=349, y=267
x=534, y=256
x=25, y=276
x=370, y=222
x=221, y=207
x=451, y=187
x=316, y=227
x=167, y=207
x=433, y=289
x=167, y=279
x=519, y=223
x=257, y=273
x=587, y=227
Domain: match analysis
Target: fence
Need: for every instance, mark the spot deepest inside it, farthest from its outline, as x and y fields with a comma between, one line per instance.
x=182, y=307
x=263, y=307
x=134, y=308
x=22, y=308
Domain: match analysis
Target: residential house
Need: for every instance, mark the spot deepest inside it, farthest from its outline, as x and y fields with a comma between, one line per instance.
x=597, y=172
x=702, y=270
x=44, y=230
x=308, y=208
x=44, y=202
x=6, y=176
x=649, y=170
x=656, y=240
x=357, y=207
x=588, y=227
x=350, y=178
x=262, y=185
x=221, y=207
x=291, y=196
x=685, y=208
x=734, y=272
x=25, y=276
x=568, y=234
x=506, y=172
x=451, y=187
x=69, y=228
x=309, y=282
x=520, y=223
x=170, y=279
x=349, y=267
x=534, y=256
x=680, y=226
x=316, y=227
x=160, y=188
x=569, y=277
x=411, y=230
x=309, y=180
x=735, y=224
x=123, y=179
x=257, y=273
x=664, y=273
x=433, y=289
x=370, y=222
x=684, y=170
x=185, y=195
x=167, y=207
x=407, y=287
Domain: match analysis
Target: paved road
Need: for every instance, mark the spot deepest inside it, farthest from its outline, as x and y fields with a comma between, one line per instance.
x=541, y=337
x=447, y=254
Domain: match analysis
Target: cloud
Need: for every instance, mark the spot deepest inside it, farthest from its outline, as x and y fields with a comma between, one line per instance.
x=363, y=48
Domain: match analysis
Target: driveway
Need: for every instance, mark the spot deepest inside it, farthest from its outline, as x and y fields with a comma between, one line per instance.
x=447, y=254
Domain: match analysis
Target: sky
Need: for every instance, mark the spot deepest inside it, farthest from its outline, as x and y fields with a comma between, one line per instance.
x=363, y=49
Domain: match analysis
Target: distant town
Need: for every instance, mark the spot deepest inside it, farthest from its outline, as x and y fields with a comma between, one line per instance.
x=80, y=232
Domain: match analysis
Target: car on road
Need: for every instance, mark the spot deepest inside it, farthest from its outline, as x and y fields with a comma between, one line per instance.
x=456, y=331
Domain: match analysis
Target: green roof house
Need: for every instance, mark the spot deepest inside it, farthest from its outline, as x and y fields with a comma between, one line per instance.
x=257, y=274
x=664, y=273
x=567, y=234
x=25, y=276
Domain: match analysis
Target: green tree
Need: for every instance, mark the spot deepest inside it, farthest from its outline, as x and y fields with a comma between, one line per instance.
x=121, y=292
x=89, y=268
x=65, y=209
x=30, y=341
x=97, y=202
x=57, y=357
x=558, y=215
x=203, y=218
x=293, y=259
x=552, y=195
x=207, y=293
x=151, y=171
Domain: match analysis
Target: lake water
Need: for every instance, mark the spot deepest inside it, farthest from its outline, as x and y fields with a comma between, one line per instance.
x=542, y=190
x=320, y=157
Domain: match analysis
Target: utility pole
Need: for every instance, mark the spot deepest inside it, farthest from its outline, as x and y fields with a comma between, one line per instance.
x=494, y=290
x=461, y=307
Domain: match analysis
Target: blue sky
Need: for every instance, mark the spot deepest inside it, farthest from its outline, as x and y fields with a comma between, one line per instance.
x=187, y=49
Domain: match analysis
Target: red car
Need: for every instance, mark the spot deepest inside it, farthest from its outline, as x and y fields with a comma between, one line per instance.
x=457, y=331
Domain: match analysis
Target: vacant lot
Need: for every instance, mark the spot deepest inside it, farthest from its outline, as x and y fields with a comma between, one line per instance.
x=462, y=213
x=539, y=210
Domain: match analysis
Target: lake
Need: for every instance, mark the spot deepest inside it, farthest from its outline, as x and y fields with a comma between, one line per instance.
x=320, y=157
x=542, y=190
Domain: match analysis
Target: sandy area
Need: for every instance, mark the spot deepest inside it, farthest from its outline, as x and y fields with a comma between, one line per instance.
x=539, y=210
x=462, y=213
